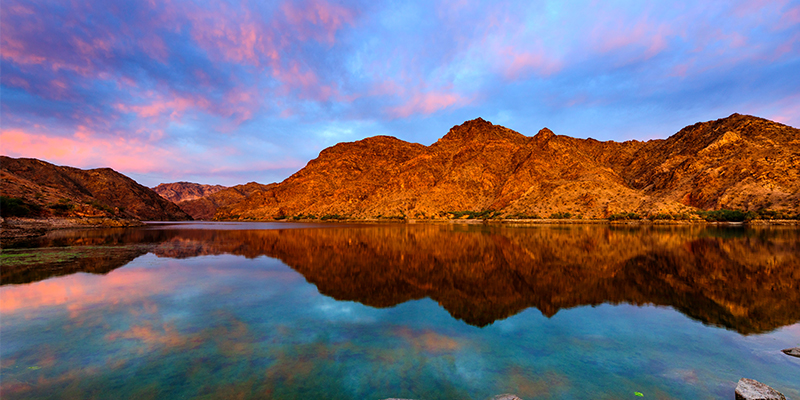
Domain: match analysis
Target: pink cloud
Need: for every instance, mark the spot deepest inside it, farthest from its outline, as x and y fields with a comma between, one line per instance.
x=518, y=64
x=85, y=149
x=317, y=19
x=789, y=18
x=160, y=106
x=786, y=111
x=425, y=103
x=236, y=36
x=648, y=38
x=79, y=292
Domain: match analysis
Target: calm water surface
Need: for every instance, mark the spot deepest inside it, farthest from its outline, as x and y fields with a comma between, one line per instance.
x=213, y=311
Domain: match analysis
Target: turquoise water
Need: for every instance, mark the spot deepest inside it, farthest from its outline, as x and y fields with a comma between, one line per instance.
x=432, y=311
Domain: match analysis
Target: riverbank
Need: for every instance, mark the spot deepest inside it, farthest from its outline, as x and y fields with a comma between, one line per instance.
x=538, y=221
x=20, y=228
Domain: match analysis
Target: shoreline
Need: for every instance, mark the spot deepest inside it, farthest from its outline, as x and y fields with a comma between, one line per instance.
x=22, y=228
x=539, y=221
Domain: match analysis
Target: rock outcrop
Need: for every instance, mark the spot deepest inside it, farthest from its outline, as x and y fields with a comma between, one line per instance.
x=794, y=351
x=739, y=162
x=749, y=389
x=50, y=190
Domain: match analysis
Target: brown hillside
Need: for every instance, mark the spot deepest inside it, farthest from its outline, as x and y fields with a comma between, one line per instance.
x=182, y=191
x=740, y=162
x=72, y=192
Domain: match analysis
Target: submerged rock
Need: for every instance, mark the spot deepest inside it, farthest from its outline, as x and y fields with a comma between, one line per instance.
x=749, y=389
x=794, y=351
x=506, y=396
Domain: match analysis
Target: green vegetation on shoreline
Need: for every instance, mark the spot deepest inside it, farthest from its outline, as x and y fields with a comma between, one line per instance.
x=490, y=215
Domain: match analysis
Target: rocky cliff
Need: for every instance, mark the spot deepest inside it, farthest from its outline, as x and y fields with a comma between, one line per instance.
x=739, y=162
x=50, y=190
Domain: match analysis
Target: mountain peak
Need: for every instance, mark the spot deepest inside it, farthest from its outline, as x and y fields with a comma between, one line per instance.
x=479, y=129
x=544, y=134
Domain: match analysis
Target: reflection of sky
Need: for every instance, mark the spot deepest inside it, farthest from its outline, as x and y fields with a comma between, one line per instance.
x=155, y=89
x=224, y=326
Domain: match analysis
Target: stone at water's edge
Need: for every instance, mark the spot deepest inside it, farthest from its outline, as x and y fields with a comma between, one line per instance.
x=749, y=389
x=794, y=351
x=507, y=396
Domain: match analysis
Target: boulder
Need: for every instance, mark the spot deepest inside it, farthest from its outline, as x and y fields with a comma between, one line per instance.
x=794, y=351
x=749, y=389
x=506, y=396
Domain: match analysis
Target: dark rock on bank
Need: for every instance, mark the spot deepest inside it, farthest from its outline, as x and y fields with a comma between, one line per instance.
x=794, y=351
x=749, y=389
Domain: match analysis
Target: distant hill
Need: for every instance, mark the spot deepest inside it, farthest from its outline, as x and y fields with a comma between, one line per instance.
x=204, y=207
x=46, y=190
x=182, y=191
x=740, y=162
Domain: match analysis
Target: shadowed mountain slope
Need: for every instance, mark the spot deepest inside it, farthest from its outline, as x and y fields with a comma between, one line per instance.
x=67, y=191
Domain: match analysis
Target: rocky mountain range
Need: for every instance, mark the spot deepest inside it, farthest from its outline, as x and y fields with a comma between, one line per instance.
x=45, y=190
x=740, y=162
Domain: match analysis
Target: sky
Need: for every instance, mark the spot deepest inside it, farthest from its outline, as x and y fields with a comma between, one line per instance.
x=229, y=92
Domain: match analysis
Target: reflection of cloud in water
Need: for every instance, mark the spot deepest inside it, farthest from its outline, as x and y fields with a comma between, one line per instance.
x=338, y=311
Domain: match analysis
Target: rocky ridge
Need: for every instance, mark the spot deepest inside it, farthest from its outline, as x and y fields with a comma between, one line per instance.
x=740, y=162
x=48, y=190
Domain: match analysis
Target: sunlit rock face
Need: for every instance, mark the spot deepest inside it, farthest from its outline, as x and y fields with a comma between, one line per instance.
x=73, y=192
x=739, y=162
x=746, y=280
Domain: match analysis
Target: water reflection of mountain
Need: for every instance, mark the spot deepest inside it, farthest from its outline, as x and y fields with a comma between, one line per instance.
x=747, y=280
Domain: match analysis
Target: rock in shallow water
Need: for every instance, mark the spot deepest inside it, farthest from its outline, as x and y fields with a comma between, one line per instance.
x=748, y=389
x=507, y=396
x=794, y=351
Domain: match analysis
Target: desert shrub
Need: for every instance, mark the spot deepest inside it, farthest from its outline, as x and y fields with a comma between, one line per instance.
x=661, y=216
x=62, y=207
x=561, y=215
x=331, y=216
x=100, y=206
x=485, y=214
x=624, y=216
x=459, y=214
x=771, y=214
x=726, y=215
x=16, y=207
x=523, y=216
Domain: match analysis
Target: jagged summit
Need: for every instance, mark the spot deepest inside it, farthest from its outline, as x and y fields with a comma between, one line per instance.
x=479, y=129
x=544, y=134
